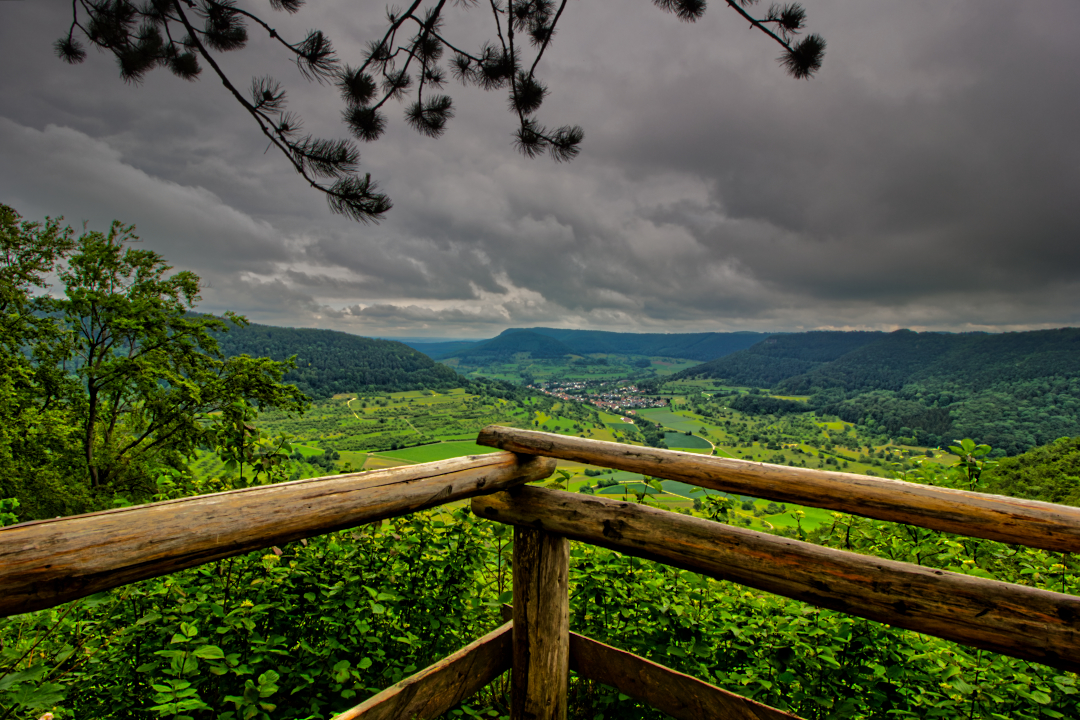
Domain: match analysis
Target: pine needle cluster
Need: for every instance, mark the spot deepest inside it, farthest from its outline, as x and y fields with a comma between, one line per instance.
x=409, y=64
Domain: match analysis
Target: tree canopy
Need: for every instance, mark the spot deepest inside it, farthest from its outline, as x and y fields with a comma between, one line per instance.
x=108, y=384
x=409, y=63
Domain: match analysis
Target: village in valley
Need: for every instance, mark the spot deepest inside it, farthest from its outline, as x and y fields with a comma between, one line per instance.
x=613, y=397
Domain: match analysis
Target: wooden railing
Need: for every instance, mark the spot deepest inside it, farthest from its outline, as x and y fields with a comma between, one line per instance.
x=48, y=562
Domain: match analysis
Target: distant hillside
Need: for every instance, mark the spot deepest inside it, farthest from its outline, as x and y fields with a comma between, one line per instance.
x=510, y=344
x=330, y=362
x=1050, y=473
x=1014, y=391
x=691, y=346
x=437, y=350
x=779, y=357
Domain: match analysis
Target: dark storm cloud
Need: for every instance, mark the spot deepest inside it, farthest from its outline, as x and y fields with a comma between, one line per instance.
x=926, y=178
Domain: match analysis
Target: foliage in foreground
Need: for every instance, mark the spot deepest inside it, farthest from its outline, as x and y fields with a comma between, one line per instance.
x=315, y=627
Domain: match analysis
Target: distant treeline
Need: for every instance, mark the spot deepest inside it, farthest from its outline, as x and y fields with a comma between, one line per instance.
x=1014, y=391
x=554, y=343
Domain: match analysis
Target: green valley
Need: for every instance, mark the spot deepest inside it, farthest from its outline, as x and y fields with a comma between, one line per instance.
x=190, y=405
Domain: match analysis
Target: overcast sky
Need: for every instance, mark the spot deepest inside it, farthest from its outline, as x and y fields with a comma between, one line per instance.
x=928, y=177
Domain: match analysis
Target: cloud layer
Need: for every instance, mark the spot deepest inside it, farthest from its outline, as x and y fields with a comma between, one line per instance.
x=925, y=179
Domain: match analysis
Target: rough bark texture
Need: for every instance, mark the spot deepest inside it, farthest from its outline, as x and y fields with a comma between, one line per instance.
x=1020, y=621
x=438, y=688
x=48, y=562
x=994, y=517
x=680, y=696
x=541, y=626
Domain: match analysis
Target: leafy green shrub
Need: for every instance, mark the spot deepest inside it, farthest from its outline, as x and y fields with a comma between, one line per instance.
x=315, y=627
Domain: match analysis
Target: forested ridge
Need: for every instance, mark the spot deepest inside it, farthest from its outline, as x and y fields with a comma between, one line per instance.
x=329, y=362
x=1014, y=391
x=509, y=344
x=555, y=342
x=692, y=346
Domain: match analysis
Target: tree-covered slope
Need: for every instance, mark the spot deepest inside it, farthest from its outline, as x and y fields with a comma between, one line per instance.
x=690, y=346
x=436, y=350
x=976, y=361
x=510, y=344
x=1050, y=473
x=330, y=362
x=1014, y=391
x=779, y=357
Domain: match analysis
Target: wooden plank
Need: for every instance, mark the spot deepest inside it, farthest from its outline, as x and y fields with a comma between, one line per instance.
x=672, y=692
x=1020, y=621
x=48, y=562
x=538, y=680
x=994, y=517
x=439, y=687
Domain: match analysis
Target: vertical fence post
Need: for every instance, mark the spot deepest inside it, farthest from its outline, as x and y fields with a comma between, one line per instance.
x=538, y=680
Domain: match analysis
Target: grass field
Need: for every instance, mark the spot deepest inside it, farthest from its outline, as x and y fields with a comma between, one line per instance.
x=814, y=517
x=437, y=451
x=683, y=441
x=671, y=419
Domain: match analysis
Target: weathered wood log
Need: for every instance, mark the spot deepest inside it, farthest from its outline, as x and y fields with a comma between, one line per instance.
x=680, y=696
x=1020, y=621
x=439, y=687
x=48, y=562
x=538, y=680
x=994, y=517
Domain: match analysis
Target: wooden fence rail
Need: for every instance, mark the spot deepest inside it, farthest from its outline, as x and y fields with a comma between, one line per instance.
x=438, y=688
x=48, y=562
x=1012, y=619
x=674, y=693
x=993, y=517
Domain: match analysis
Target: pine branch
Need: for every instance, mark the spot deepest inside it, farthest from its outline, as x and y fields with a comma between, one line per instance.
x=139, y=34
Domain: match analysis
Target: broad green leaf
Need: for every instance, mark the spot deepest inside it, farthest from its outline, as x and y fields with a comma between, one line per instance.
x=210, y=652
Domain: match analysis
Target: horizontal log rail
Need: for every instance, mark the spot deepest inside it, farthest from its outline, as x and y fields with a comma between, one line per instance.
x=48, y=562
x=993, y=517
x=439, y=687
x=1011, y=619
x=669, y=691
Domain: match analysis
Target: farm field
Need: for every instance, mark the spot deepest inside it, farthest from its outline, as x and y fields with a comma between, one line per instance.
x=353, y=432
x=671, y=419
x=436, y=451
x=682, y=441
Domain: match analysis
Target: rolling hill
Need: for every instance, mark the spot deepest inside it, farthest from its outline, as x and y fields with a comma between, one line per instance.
x=1014, y=391
x=509, y=345
x=779, y=357
x=690, y=346
x=330, y=362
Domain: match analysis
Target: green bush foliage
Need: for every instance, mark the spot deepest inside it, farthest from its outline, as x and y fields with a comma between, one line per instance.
x=317, y=626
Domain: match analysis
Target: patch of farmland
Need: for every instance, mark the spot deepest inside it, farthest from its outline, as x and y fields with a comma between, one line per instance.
x=670, y=419
x=684, y=441
x=628, y=489
x=686, y=490
x=437, y=451
x=814, y=518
